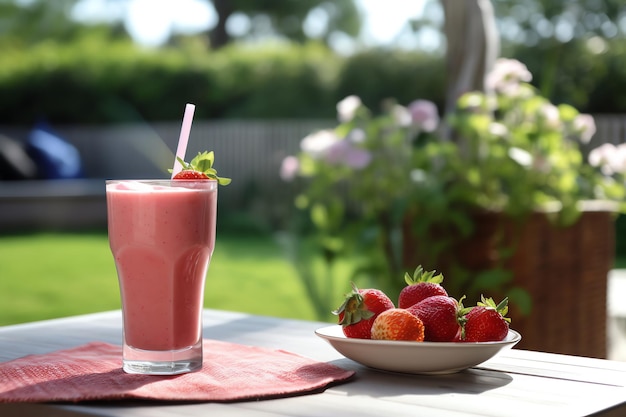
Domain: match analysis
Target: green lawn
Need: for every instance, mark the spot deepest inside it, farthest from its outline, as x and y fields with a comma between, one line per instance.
x=54, y=275
x=50, y=275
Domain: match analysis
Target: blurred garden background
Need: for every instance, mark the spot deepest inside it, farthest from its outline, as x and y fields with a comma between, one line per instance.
x=263, y=75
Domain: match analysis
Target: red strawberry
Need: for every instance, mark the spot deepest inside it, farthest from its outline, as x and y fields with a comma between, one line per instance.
x=359, y=310
x=200, y=168
x=442, y=317
x=487, y=322
x=397, y=324
x=188, y=174
x=420, y=286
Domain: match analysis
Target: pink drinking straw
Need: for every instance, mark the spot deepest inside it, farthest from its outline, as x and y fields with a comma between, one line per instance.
x=183, y=138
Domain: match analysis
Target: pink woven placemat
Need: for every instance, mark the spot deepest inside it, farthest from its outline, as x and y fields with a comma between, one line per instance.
x=231, y=372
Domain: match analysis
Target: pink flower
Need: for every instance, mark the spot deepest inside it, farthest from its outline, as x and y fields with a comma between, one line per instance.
x=424, y=115
x=327, y=146
x=289, y=168
x=345, y=153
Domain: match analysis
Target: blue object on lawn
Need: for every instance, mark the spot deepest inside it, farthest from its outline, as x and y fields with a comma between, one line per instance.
x=55, y=157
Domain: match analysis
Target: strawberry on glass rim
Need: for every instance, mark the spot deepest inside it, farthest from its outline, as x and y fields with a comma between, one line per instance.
x=200, y=168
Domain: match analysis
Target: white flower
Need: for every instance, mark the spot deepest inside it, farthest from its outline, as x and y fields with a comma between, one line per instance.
x=498, y=129
x=401, y=115
x=585, y=125
x=418, y=175
x=619, y=162
x=598, y=156
x=520, y=92
x=506, y=76
x=356, y=136
x=609, y=158
x=347, y=108
x=289, y=168
x=522, y=157
x=316, y=144
x=424, y=114
x=550, y=115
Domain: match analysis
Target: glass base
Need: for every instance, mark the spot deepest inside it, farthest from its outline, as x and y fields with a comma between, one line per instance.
x=171, y=362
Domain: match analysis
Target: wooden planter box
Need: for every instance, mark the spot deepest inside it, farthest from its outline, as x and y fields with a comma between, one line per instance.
x=565, y=270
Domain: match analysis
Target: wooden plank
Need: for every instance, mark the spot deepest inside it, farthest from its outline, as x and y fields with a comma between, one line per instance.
x=515, y=383
x=572, y=368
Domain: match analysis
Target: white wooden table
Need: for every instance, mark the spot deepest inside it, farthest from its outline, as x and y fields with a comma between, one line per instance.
x=514, y=383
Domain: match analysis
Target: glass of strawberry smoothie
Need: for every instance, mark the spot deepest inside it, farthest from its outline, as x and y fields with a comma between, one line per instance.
x=162, y=235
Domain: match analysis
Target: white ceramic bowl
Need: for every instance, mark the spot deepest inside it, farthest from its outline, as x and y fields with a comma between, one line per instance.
x=415, y=357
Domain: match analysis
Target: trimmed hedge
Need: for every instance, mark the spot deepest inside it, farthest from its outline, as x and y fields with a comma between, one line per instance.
x=95, y=81
x=99, y=81
x=380, y=74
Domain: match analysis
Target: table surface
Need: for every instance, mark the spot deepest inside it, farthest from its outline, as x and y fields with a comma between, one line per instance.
x=513, y=383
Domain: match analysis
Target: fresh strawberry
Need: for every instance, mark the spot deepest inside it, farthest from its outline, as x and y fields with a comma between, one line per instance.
x=442, y=317
x=359, y=310
x=487, y=322
x=188, y=174
x=397, y=324
x=200, y=168
x=420, y=286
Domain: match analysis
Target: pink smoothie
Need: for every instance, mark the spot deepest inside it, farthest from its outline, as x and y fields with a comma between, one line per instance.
x=162, y=239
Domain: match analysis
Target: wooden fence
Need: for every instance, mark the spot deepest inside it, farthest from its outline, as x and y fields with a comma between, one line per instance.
x=247, y=150
x=611, y=128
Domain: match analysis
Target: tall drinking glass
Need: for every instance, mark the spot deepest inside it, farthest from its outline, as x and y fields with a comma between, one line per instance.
x=162, y=235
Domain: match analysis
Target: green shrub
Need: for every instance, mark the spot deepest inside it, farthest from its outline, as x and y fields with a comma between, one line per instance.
x=576, y=73
x=104, y=80
x=379, y=74
x=98, y=80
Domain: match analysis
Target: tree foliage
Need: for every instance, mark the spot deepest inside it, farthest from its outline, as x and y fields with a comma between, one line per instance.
x=39, y=21
x=532, y=22
x=285, y=18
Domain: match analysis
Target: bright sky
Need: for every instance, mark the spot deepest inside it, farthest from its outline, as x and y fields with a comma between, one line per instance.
x=150, y=21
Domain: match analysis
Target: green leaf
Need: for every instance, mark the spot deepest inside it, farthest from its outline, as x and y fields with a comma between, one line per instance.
x=203, y=162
